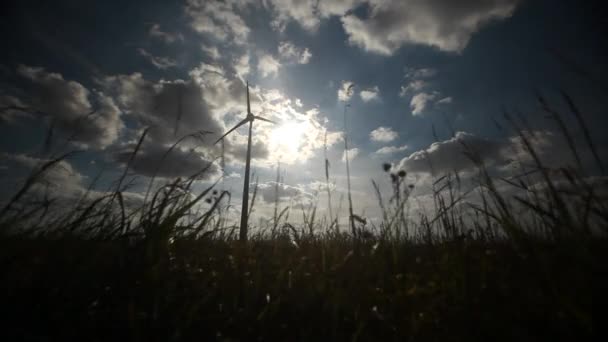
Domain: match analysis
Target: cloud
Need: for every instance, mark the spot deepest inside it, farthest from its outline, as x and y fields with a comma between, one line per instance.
x=391, y=149
x=159, y=62
x=241, y=65
x=445, y=100
x=268, y=65
x=166, y=37
x=413, y=87
x=422, y=73
x=452, y=154
x=302, y=11
x=444, y=24
x=211, y=51
x=89, y=119
x=294, y=54
x=61, y=183
x=271, y=192
x=383, y=134
x=10, y=109
x=178, y=163
x=419, y=87
x=346, y=91
x=388, y=25
x=218, y=19
x=420, y=101
x=170, y=108
x=61, y=176
x=498, y=156
x=352, y=154
x=336, y=7
x=370, y=94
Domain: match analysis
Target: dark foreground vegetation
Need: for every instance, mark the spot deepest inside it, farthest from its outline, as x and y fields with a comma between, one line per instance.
x=519, y=264
x=73, y=289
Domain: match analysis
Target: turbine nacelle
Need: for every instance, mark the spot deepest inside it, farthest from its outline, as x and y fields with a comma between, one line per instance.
x=249, y=118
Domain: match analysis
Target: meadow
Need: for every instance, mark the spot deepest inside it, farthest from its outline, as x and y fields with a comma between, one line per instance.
x=509, y=267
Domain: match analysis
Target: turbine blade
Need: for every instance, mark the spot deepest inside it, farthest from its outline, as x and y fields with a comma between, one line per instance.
x=263, y=119
x=248, y=105
x=232, y=129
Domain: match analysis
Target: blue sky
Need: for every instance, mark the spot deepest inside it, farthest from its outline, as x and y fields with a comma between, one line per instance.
x=423, y=72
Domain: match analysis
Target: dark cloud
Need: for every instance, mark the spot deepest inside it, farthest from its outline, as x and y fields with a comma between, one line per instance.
x=152, y=159
x=452, y=154
x=455, y=154
x=61, y=184
x=89, y=119
x=169, y=38
x=159, y=62
x=237, y=151
x=61, y=177
x=170, y=108
x=173, y=109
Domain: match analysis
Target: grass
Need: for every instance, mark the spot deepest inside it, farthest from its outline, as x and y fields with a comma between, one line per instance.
x=503, y=268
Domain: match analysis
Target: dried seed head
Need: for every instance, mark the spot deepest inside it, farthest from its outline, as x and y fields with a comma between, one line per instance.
x=402, y=173
x=386, y=167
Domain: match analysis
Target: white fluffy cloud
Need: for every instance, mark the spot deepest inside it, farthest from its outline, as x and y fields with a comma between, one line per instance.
x=346, y=91
x=352, y=154
x=391, y=149
x=383, y=134
x=211, y=51
x=420, y=87
x=268, y=65
x=420, y=101
x=219, y=19
x=89, y=119
x=389, y=24
x=301, y=11
x=370, y=94
x=294, y=54
x=413, y=87
x=241, y=65
x=445, y=24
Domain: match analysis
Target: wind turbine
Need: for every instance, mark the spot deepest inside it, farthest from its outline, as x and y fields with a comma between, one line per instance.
x=244, y=208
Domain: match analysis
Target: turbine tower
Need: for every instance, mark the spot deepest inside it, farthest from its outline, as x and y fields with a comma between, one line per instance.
x=244, y=207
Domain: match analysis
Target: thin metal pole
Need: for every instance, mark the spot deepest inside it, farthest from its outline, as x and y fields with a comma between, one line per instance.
x=244, y=216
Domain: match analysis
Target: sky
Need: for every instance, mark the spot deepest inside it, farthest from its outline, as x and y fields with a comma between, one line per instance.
x=414, y=79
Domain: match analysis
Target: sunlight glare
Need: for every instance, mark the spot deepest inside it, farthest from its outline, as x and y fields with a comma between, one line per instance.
x=287, y=138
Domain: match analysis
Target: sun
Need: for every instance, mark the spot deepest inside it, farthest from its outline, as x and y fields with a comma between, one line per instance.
x=286, y=139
